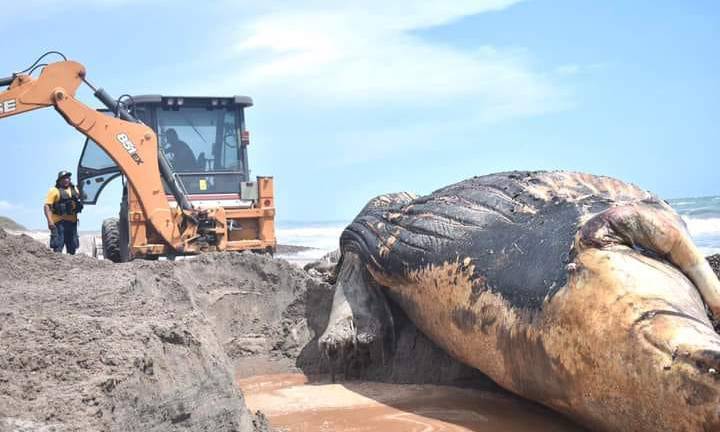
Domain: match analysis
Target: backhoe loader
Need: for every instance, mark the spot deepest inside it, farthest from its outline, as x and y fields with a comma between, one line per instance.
x=187, y=193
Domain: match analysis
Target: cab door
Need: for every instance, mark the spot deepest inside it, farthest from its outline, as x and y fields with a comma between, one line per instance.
x=95, y=171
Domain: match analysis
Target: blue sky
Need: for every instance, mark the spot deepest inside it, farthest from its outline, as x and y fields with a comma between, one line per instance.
x=354, y=99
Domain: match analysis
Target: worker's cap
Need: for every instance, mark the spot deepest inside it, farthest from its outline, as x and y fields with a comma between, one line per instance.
x=64, y=173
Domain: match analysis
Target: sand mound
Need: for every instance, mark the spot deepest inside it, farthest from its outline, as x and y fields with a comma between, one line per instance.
x=88, y=345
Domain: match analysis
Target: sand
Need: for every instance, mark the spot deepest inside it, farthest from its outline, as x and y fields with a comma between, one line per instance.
x=90, y=345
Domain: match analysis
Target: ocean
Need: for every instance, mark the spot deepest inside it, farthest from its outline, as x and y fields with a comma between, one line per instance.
x=321, y=236
x=701, y=215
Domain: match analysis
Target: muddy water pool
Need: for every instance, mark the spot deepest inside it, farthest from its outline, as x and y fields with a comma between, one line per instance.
x=293, y=403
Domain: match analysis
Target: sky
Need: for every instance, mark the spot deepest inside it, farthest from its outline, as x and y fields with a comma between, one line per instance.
x=355, y=99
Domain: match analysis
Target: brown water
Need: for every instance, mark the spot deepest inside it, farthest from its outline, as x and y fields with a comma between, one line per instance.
x=293, y=404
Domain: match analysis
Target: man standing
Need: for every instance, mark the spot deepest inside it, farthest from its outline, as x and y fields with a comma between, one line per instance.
x=62, y=205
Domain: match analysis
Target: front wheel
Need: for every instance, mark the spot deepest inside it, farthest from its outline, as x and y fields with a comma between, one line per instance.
x=112, y=241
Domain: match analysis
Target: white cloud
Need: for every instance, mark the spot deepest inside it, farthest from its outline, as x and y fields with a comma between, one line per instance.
x=317, y=62
x=365, y=53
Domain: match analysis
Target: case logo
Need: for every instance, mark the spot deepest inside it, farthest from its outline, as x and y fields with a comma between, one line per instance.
x=8, y=106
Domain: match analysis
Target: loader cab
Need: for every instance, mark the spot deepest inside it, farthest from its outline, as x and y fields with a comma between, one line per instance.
x=203, y=138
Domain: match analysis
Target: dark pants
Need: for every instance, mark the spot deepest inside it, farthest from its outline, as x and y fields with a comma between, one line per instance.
x=65, y=235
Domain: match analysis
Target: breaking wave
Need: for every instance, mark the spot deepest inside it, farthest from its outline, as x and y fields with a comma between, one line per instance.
x=323, y=236
x=702, y=227
x=702, y=217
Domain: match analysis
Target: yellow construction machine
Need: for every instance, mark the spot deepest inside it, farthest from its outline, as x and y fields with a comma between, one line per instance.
x=187, y=193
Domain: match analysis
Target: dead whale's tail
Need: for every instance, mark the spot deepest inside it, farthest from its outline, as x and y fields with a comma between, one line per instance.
x=657, y=231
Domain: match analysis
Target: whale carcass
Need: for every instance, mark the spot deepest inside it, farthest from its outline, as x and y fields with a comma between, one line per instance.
x=581, y=292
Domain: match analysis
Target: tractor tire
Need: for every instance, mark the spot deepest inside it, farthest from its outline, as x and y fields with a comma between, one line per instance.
x=111, y=240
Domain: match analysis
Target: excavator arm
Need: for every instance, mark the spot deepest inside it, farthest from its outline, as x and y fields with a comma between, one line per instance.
x=132, y=145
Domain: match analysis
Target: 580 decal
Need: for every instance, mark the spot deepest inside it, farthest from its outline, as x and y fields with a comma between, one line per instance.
x=8, y=106
x=129, y=146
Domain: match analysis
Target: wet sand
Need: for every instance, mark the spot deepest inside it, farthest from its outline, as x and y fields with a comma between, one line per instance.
x=293, y=404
